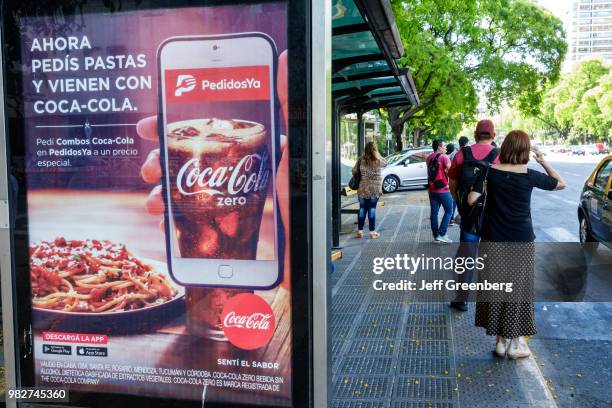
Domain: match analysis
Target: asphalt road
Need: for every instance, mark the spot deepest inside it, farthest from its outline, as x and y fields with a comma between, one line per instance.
x=555, y=213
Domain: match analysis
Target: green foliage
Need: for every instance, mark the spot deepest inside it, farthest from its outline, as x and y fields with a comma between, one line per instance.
x=579, y=107
x=508, y=50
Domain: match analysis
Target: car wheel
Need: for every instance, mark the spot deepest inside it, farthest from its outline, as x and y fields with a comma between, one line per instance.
x=587, y=240
x=390, y=184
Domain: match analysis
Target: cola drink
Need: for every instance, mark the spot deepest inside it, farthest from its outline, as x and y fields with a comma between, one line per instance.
x=219, y=172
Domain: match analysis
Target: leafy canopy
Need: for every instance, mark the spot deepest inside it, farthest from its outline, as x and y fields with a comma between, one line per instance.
x=508, y=50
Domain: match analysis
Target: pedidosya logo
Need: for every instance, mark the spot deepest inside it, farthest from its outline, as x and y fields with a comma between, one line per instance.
x=250, y=83
x=248, y=321
x=184, y=83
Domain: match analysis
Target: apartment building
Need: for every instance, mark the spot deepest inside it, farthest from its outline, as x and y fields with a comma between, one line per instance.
x=590, y=32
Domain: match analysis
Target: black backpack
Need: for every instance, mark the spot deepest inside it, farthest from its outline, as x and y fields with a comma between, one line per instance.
x=471, y=170
x=433, y=168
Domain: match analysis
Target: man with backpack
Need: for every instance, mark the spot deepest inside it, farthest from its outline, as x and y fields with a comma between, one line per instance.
x=466, y=166
x=438, y=164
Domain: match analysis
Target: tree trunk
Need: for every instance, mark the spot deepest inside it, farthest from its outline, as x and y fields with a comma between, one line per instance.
x=397, y=136
x=397, y=128
x=416, y=137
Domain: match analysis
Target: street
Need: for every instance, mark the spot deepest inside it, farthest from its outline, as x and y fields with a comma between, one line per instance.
x=554, y=214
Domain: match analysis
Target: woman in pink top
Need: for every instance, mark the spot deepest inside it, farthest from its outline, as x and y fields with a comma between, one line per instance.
x=438, y=164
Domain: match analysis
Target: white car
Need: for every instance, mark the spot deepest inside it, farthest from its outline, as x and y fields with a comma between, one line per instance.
x=405, y=169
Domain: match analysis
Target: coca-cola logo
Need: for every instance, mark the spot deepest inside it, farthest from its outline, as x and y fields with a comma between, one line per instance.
x=248, y=321
x=255, y=321
x=249, y=174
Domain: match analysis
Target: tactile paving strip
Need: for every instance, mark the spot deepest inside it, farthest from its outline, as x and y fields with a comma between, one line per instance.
x=424, y=308
x=365, y=365
x=336, y=346
x=361, y=387
x=419, y=388
x=427, y=332
x=342, y=319
x=389, y=319
x=429, y=348
x=384, y=308
x=351, y=290
x=386, y=297
x=354, y=298
x=376, y=331
x=437, y=319
x=424, y=366
x=357, y=404
x=426, y=404
x=339, y=332
x=356, y=280
x=338, y=307
x=377, y=347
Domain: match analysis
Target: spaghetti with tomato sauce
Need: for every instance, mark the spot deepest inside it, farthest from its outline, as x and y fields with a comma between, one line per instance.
x=93, y=276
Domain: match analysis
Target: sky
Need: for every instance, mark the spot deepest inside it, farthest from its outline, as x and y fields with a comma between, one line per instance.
x=559, y=8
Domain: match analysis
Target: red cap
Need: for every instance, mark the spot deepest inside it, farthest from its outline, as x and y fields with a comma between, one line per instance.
x=485, y=126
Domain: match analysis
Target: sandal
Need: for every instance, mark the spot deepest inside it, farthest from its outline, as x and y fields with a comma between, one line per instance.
x=359, y=234
x=374, y=234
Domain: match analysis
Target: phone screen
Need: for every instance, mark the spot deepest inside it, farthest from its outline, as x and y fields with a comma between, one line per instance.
x=219, y=154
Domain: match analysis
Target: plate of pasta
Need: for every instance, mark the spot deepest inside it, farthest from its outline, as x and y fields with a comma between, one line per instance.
x=96, y=277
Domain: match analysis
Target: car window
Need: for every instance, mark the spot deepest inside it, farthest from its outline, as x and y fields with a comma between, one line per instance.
x=395, y=158
x=602, y=176
x=415, y=158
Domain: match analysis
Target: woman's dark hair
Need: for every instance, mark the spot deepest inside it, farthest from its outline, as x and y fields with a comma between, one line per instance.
x=515, y=148
x=463, y=140
x=450, y=148
x=370, y=154
x=435, y=144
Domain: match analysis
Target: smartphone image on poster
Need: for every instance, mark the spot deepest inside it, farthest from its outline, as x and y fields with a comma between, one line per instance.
x=218, y=148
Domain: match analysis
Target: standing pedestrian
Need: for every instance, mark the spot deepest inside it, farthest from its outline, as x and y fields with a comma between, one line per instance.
x=507, y=240
x=438, y=164
x=370, y=187
x=467, y=158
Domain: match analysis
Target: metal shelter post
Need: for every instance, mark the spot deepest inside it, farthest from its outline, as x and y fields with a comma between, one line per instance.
x=360, y=134
x=336, y=176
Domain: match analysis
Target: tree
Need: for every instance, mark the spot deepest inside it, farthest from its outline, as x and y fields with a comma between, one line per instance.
x=579, y=107
x=458, y=49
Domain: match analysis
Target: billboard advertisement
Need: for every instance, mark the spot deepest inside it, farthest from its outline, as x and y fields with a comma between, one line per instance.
x=157, y=202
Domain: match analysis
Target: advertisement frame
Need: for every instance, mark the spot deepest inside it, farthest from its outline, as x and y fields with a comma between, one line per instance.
x=14, y=267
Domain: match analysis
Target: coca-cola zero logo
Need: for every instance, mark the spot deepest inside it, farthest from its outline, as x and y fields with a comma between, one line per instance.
x=248, y=321
x=249, y=174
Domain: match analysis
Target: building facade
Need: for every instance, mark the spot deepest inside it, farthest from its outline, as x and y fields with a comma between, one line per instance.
x=590, y=33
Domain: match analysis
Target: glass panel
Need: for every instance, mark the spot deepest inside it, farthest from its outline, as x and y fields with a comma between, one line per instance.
x=344, y=12
x=348, y=147
x=92, y=266
x=351, y=45
x=363, y=68
x=396, y=89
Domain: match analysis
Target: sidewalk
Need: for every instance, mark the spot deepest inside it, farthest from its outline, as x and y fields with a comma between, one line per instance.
x=389, y=351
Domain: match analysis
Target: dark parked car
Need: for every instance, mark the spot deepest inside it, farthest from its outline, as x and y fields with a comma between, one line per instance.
x=595, y=211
